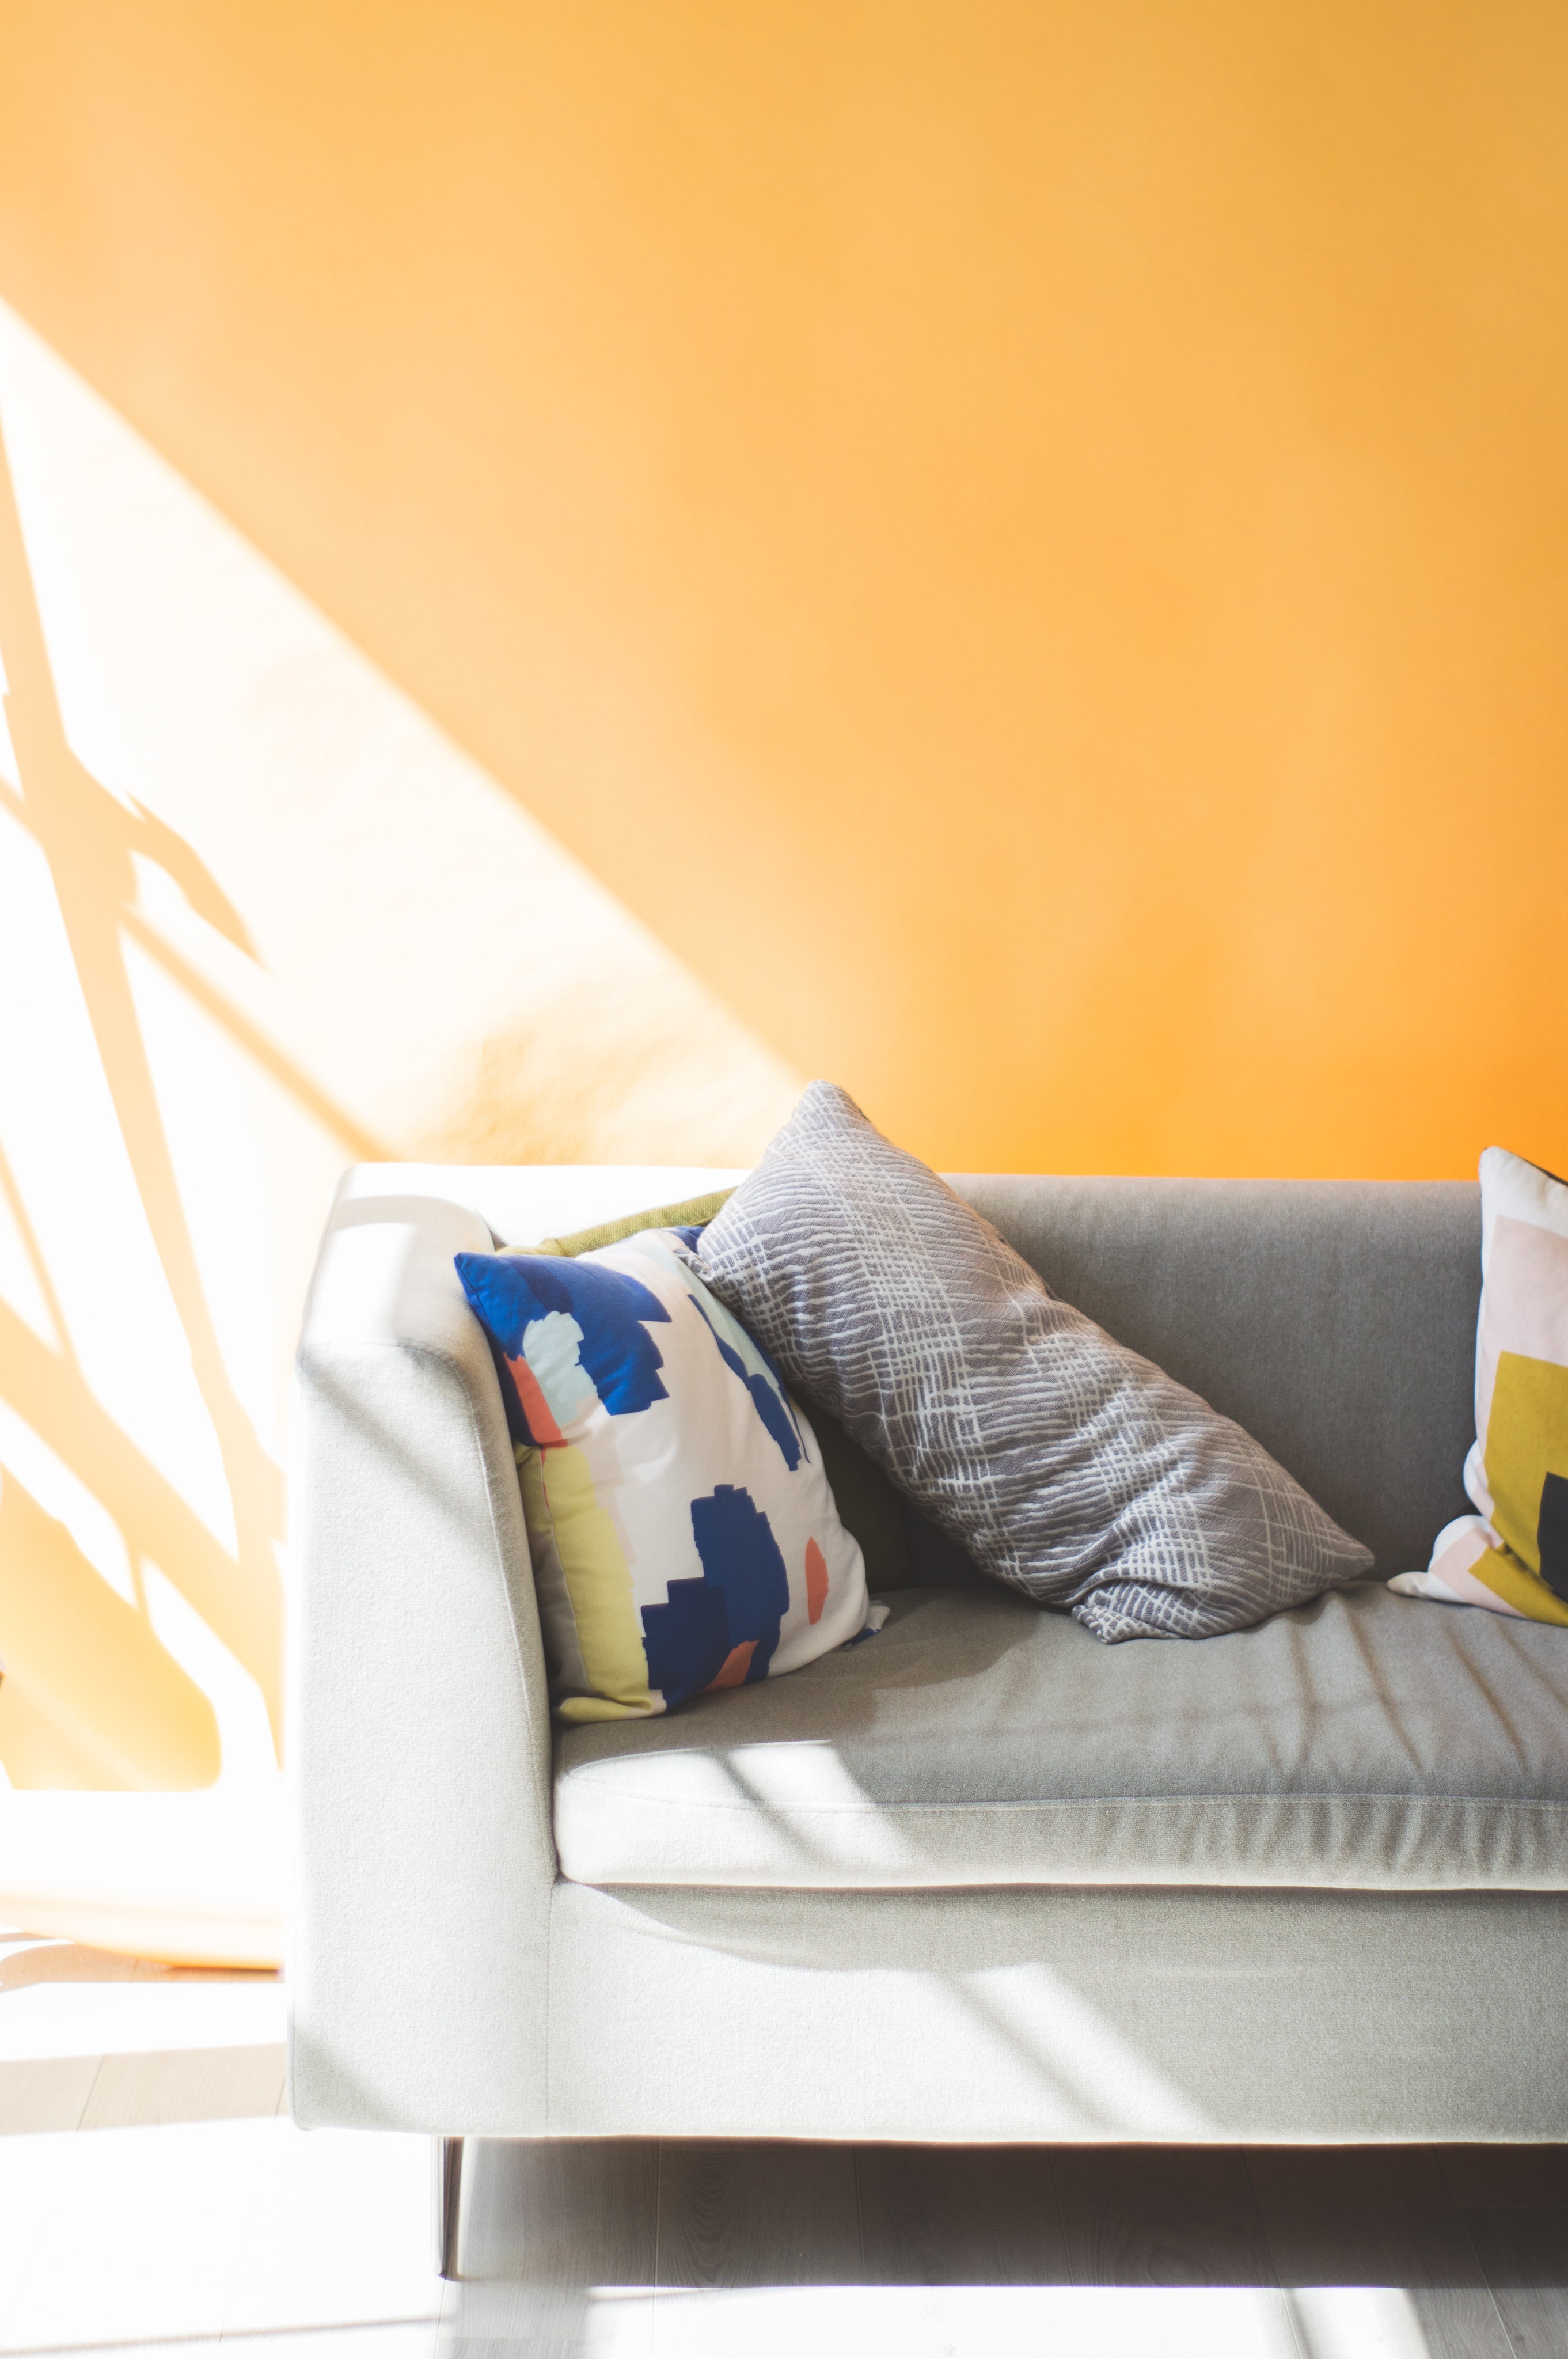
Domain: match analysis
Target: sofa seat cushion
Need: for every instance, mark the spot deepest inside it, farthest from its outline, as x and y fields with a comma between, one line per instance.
x=1355, y=1741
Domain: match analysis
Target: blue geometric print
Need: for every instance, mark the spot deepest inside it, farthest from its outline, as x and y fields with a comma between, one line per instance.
x=613, y=1310
x=772, y=1406
x=739, y=1552
x=687, y=1641
x=743, y=1593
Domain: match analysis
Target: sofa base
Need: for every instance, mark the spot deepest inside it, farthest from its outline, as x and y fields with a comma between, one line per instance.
x=1067, y=2016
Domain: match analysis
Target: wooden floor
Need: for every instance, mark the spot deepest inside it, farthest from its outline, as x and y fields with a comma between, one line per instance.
x=56, y=1999
x=152, y=2200
x=1460, y=2253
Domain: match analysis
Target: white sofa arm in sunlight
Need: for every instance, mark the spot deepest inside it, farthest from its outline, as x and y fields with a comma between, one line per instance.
x=418, y=1734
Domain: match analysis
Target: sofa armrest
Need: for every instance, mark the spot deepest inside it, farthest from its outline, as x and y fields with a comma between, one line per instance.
x=418, y=1717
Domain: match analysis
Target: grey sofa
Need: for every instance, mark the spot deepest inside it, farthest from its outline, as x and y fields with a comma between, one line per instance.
x=979, y=1878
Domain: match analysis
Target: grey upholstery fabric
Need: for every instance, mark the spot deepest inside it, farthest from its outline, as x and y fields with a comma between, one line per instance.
x=1084, y=2015
x=1335, y=1320
x=1061, y=1461
x=441, y=1980
x=1356, y=1742
x=418, y=1722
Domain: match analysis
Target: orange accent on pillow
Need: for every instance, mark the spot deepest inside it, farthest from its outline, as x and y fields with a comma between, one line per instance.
x=737, y=1663
x=536, y=1410
x=816, y=1581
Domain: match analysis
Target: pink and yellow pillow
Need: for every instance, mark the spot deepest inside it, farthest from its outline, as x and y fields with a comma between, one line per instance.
x=1511, y=1556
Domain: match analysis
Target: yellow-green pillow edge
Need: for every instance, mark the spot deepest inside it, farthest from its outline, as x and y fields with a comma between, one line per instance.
x=692, y=1214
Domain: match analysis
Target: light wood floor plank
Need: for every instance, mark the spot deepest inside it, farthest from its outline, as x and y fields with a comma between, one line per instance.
x=959, y=2216
x=508, y=2318
x=44, y=2092
x=738, y=2212
x=557, y=2249
x=1160, y=2216
x=1378, y=2216
x=837, y=2321
x=185, y=2084
x=406, y=2339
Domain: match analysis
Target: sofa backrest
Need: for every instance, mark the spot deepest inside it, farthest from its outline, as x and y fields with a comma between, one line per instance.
x=1335, y=1320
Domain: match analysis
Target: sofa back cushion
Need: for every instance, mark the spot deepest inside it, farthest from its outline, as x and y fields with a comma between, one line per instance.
x=1334, y=1320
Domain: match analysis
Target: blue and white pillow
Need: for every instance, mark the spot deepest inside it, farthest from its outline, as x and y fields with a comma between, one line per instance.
x=683, y=1531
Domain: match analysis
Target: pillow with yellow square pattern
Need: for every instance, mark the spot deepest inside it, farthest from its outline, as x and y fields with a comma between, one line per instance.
x=1512, y=1555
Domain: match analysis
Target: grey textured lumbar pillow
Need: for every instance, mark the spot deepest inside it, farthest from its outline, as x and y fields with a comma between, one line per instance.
x=1062, y=1462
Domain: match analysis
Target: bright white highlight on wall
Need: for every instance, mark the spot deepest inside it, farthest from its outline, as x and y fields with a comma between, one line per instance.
x=259, y=919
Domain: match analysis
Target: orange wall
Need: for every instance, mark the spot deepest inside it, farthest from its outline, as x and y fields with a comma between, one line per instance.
x=1029, y=542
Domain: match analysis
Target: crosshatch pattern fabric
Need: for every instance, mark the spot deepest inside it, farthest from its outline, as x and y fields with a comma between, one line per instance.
x=683, y=1532
x=1512, y=1555
x=1062, y=1462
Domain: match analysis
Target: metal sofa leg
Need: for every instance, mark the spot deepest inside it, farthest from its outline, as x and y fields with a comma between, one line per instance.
x=446, y=2189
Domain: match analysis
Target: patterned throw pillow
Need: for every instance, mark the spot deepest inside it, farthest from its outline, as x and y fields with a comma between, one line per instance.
x=900, y=1549
x=1513, y=1556
x=1062, y=1462
x=683, y=1532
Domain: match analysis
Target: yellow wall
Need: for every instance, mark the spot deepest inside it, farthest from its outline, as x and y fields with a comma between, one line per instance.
x=1014, y=555
x=1028, y=541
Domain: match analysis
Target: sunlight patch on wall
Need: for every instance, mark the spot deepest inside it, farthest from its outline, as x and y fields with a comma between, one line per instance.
x=259, y=919
x=69, y=1182
x=92, y=1528
x=434, y=962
